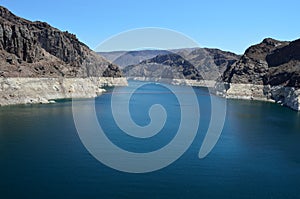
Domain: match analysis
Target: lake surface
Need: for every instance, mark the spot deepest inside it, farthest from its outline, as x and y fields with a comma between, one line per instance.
x=257, y=155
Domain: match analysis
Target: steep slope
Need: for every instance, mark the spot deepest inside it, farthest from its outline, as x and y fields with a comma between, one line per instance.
x=269, y=71
x=35, y=49
x=253, y=66
x=284, y=65
x=39, y=63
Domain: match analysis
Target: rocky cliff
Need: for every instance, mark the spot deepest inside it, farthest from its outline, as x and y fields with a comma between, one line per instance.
x=39, y=63
x=269, y=71
x=35, y=49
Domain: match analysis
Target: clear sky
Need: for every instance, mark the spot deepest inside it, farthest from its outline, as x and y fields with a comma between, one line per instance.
x=225, y=24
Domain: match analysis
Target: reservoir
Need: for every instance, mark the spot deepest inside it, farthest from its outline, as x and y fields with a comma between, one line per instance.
x=256, y=156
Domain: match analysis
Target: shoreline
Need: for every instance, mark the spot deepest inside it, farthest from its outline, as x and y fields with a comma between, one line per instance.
x=23, y=90
x=286, y=96
x=178, y=82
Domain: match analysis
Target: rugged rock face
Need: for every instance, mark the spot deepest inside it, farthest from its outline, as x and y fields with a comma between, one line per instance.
x=271, y=62
x=39, y=63
x=35, y=49
x=207, y=63
x=268, y=71
x=112, y=71
x=284, y=65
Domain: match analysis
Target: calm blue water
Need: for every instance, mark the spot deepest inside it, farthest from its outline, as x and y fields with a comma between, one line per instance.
x=257, y=156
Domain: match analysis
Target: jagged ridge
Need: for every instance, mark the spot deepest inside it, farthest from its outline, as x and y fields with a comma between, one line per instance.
x=35, y=49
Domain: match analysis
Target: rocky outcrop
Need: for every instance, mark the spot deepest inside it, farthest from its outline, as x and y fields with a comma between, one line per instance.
x=267, y=71
x=287, y=96
x=253, y=68
x=284, y=65
x=35, y=49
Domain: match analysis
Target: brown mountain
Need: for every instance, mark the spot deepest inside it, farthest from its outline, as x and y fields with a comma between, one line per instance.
x=171, y=66
x=206, y=63
x=35, y=49
x=209, y=61
x=272, y=62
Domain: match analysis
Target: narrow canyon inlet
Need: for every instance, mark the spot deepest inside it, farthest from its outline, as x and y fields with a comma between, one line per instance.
x=257, y=155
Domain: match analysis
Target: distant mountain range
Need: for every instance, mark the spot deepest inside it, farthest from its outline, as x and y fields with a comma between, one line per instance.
x=196, y=63
x=268, y=71
x=271, y=62
x=126, y=58
x=171, y=66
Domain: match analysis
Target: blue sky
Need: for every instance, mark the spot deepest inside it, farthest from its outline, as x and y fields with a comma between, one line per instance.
x=228, y=25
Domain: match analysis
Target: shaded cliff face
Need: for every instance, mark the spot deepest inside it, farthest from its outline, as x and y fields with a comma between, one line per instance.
x=35, y=49
x=199, y=62
x=284, y=65
x=272, y=62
